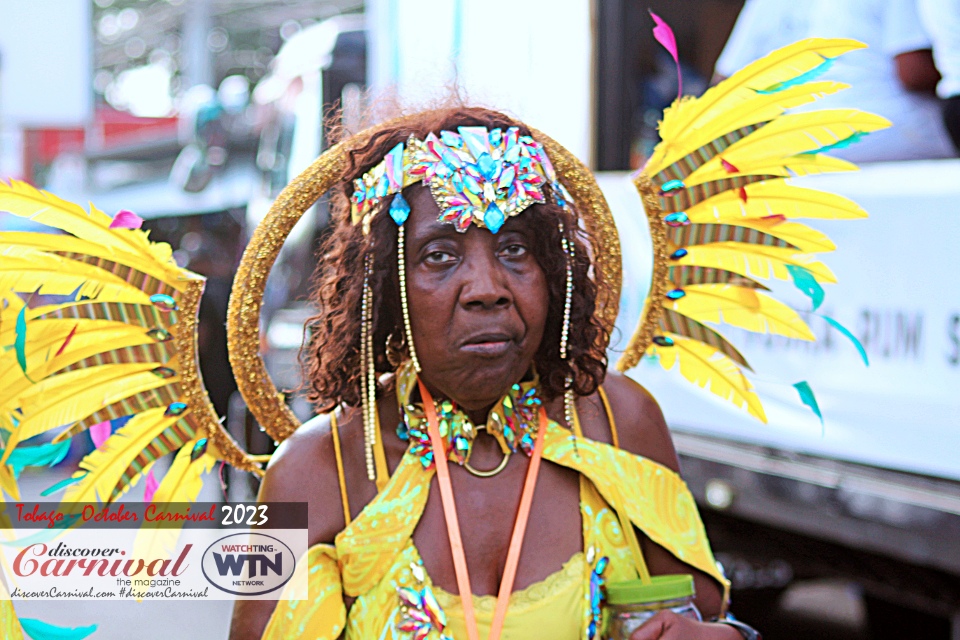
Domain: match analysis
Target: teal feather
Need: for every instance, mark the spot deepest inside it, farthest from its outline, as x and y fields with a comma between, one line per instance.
x=63, y=484
x=39, y=630
x=807, y=398
x=807, y=283
x=813, y=74
x=852, y=338
x=20, y=341
x=45, y=455
x=839, y=144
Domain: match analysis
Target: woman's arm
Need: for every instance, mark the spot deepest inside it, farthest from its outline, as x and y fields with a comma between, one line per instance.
x=303, y=469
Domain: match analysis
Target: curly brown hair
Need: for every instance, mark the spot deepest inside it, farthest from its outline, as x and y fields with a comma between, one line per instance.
x=331, y=359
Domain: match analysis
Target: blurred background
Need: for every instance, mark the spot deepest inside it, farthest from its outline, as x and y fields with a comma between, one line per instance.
x=196, y=113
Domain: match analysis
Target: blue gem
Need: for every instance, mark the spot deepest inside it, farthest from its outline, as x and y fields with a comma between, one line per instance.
x=512, y=154
x=399, y=209
x=472, y=185
x=679, y=253
x=403, y=432
x=676, y=294
x=663, y=341
x=493, y=218
x=678, y=219
x=672, y=185
x=488, y=166
x=495, y=137
x=383, y=187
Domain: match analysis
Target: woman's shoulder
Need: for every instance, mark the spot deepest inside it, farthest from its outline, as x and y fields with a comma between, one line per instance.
x=639, y=422
x=304, y=469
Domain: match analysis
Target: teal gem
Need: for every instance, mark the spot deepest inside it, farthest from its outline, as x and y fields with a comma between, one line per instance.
x=164, y=302
x=175, y=409
x=678, y=219
x=496, y=137
x=679, y=253
x=663, y=341
x=164, y=372
x=676, y=294
x=671, y=185
x=399, y=209
x=493, y=218
x=488, y=166
x=198, y=449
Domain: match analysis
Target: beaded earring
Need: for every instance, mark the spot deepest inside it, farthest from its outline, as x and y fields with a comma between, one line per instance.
x=402, y=275
x=368, y=374
x=569, y=253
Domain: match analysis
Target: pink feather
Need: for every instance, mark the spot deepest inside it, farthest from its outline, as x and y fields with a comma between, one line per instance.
x=126, y=220
x=150, y=485
x=664, y=35
x=99, y=433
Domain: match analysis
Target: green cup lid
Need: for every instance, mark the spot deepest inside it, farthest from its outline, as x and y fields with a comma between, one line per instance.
x=669, y=587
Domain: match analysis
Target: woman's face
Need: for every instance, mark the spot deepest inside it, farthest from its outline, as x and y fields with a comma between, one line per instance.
x=478, y=304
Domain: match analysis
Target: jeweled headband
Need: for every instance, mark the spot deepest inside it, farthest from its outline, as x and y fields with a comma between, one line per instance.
x=476, y=175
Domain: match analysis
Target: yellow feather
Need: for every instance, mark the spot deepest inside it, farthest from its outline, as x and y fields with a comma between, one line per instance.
x=10, y=627
x=21, y=199
x=806, y=239
x=181, y=484
x=166, y=271
x=709, y=369
x=47, y=337
x=74, y=395
x=793, y=166
x=105, y=467
x=682, y=121
x=8, y=482
x=759, y=108
x=753, y=261
x=774, y=198
x=741, y=307
x=776, y=145
x=26, y=270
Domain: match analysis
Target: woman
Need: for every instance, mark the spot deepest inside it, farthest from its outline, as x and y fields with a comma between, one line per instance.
x=498, y=307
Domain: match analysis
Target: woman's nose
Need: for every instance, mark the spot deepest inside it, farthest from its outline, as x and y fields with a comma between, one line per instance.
x=485, y=285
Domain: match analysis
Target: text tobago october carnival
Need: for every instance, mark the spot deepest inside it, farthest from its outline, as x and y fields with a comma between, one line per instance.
x=111, y=513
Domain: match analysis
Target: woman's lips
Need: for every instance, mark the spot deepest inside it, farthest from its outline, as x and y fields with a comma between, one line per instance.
x=489, y=345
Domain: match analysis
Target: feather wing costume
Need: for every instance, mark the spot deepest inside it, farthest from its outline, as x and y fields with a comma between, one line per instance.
x=720, y=213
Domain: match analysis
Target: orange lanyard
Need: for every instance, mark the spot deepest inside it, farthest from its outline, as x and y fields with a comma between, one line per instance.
x=453, y=524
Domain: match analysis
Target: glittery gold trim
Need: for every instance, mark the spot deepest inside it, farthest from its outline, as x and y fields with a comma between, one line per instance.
x=246, y=300
x=201, y=414
x=652, y=309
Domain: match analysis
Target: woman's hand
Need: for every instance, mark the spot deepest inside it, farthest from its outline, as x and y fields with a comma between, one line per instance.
x=667, y=625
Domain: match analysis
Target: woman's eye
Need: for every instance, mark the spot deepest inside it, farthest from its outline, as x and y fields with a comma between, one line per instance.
x=439, y=257
x=514, y=250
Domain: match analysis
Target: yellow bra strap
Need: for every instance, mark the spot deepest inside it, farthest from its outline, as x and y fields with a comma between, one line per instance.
x=380, y=458
x=335, y=431
x=628, y=531
x=613, y=423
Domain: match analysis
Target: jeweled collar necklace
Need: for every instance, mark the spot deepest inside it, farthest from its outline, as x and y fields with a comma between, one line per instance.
x=512, y=421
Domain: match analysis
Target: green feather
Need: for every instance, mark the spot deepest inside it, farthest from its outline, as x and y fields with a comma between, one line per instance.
x=852, y=338
x=807, y=397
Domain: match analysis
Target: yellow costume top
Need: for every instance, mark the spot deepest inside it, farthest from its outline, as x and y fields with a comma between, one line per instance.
x=375, y=553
